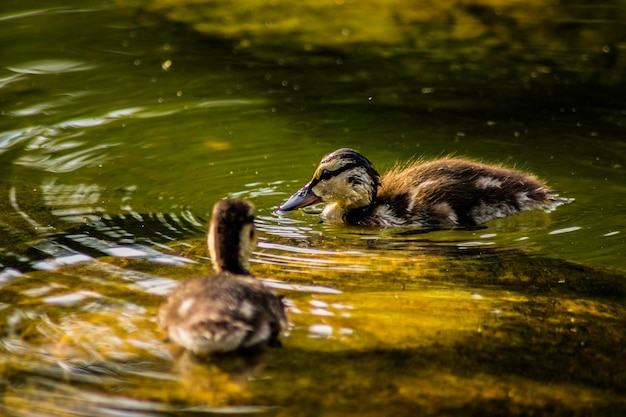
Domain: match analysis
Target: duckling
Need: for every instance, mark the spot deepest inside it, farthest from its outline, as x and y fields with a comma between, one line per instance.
x=440, y=193
x=230, y=310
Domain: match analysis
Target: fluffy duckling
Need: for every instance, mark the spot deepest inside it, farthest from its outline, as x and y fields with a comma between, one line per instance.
x=231, y=309
x=444, y=192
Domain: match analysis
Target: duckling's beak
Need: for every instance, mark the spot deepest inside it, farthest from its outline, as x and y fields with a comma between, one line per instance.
x=304, y=197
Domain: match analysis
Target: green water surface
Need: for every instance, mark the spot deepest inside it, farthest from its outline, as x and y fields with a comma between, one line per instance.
x=126, y=108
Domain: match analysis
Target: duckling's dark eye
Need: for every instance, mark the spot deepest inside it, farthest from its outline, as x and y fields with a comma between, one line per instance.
x=251, y=234
x=326, y=174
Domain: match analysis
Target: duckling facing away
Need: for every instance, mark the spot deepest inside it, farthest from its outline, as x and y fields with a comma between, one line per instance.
x=444, y=192
x=231, y=309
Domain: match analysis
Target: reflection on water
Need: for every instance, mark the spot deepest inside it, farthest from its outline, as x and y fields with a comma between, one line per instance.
x=115, y=143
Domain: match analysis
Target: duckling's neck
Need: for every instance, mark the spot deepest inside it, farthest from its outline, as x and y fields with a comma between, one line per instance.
x=230, y=250
x=334, y=213
x=235, y=268
x=378, y=213
x=337, y=213
x=227, y=259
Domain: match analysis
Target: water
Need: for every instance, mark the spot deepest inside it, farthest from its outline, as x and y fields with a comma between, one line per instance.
x=119, y=131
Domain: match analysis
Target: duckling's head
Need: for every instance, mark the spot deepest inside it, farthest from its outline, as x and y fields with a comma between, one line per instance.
x=232, y=237
x=345, y=179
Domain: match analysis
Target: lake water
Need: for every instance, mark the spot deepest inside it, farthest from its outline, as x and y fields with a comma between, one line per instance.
x=120, y=129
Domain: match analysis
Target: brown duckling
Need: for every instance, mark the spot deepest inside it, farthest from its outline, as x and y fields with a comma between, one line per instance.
x=229, y=310
x=444, y=192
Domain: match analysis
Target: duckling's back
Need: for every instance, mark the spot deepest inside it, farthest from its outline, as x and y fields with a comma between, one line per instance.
x=461, y=192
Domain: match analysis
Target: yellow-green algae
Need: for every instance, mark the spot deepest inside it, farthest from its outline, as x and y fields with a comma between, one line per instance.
x=527, y=38
x=427, y=333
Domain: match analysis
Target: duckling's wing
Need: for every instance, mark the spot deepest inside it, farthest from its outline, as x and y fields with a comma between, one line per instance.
x=462, y=192
x=260, y=309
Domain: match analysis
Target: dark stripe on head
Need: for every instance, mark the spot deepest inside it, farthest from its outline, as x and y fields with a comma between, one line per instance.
x=328, y=174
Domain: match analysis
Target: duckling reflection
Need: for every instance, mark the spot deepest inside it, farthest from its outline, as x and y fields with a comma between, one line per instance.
x=444, y=192
x=230, y=310
x=218, y=381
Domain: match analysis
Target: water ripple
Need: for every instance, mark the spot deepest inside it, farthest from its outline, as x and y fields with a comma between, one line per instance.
x=31, y=13
x=10, y=80
x=51, y=66
x=13, y=137
x=100, y=120
x=565, y=230
x=70, y=298
x=58, y=164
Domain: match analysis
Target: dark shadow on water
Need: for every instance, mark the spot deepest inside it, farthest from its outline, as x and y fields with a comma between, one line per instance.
x=521, y=368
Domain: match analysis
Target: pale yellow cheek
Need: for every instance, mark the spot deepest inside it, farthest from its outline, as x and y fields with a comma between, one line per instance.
x=247, y=246
x=334, y=189
x=211, y=238
x=323, y=190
